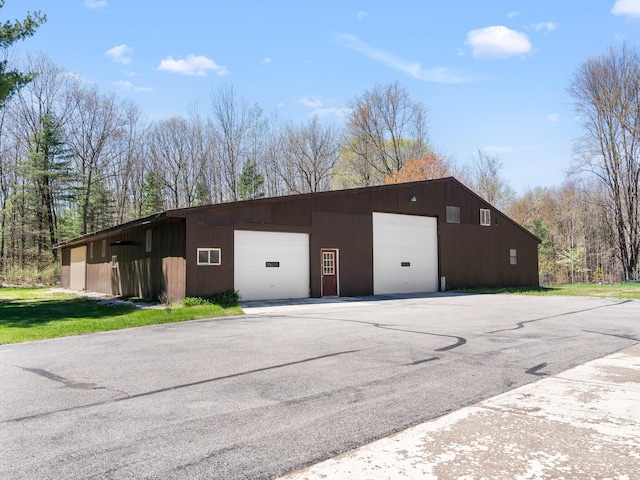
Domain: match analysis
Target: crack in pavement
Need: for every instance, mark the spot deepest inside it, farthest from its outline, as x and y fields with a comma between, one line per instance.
x=175, y=387
x=418, y=362
x=626, y=337
x=522, y=324
x=459, y=340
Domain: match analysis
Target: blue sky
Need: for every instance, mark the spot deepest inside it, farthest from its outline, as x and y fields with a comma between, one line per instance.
x=493, y=74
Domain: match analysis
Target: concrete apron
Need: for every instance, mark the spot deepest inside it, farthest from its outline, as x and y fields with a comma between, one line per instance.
x=582, y=423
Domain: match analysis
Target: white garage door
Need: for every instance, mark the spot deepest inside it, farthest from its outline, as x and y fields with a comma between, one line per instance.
x=271, y=265
x=405, y=254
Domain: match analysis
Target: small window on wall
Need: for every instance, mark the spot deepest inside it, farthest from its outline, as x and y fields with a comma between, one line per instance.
x=148, y=238
x=104, y=248
x=209, y=256
x=513, y=256
x=453, y=214
x=485, y=217
x=91, y=250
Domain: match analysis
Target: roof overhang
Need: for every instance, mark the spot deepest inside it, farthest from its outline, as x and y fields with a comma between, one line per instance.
x=113, y=230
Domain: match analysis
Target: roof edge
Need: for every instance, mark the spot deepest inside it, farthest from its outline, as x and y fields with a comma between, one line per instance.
x=107, y=231
x=180, y=212
x=511, y=220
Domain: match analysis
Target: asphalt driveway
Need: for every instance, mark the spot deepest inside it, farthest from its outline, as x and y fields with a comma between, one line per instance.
x=284, y=386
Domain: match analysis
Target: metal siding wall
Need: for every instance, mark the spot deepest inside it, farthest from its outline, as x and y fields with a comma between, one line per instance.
x=475, y=256
x=352, y=235
x=469, y=255
x=205, y=280
x=140, y=273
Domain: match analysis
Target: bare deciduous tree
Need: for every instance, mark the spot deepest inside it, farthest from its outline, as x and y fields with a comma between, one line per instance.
x=131, y=154
x=386, y=128
x=487, y=181
x=310, y=152
x=94, y=133
x=230, y=123
x=606, y=92
x=176, y=152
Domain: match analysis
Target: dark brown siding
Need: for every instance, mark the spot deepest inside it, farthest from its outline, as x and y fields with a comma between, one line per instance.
x=202, y=232
x=139, y=273
x=469, y=254
x=473, y=256
x=352, y=235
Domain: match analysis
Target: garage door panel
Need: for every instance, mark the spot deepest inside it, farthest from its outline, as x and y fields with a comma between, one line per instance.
x=257, y=281
x=404, y=240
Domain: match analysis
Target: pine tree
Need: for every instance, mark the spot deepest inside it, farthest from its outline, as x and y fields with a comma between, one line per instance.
x=152, y=196
x=50, y=183
x=251, y=182
x=12, y=80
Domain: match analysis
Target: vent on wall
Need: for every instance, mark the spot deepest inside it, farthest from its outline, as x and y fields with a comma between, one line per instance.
x=120, y=243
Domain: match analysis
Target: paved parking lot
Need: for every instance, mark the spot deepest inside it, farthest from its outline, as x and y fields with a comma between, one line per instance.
x=284, y=386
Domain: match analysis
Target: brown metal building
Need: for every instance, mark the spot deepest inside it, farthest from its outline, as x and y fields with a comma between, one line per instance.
x=405, y=238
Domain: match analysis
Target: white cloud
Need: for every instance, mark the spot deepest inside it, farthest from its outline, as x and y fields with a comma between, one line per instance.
x=95, y=4
x=319, y=111
x=124, y=84
x=497, y=150
x=266, y=60
x=120, y=54
x=628, y=8
x=554, y=117
x=547, y=27
x=513, y=14
x=311, y=102
x=361, y=15
x=127, y=85
x=76, y=77
x=197, y=65
x=340, y=113
x=497, y=42
x=436, y=75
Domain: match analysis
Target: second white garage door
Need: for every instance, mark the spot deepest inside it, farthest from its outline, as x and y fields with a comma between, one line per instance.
x=405, y=254
x=271, y=265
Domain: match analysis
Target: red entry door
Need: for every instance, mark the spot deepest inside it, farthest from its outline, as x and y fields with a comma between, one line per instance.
x=329, y=272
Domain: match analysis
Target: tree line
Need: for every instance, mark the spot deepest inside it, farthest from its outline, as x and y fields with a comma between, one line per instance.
x=74, y=160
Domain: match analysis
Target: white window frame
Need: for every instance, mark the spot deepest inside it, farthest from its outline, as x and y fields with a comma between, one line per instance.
x=485, y=217
x=329, y=263
x=209, y=250
x=513, y=256
x=148, y=238
x=90, y=249
x=104, y=247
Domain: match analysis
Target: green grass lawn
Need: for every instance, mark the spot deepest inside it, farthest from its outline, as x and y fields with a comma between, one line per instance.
x=623, y=290
x=38, y=313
